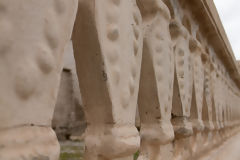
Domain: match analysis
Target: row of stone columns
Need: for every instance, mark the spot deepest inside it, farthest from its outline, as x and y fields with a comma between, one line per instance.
x=145, y=53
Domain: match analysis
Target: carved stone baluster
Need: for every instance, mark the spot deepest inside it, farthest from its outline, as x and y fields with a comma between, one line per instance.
x=233, y=110
x=228, y=110
x=216, y=104
x=214, y=83
x=33, y=35
x=228, y=105
x=182, y=88
x=231, y=104
x=183, y=84
x=156, y=83
x=236, y=109
x=224, y=98
x=219, y=102
x=107, y=41
x=207, y=103
x=198, y=86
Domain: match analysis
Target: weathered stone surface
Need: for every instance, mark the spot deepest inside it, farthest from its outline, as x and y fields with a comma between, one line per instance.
x=29, y=143
x=107, y=44
x=33, y=38
x=169, y=58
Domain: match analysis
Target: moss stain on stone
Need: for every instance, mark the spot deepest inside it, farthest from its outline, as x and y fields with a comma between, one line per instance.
x=75, y=150
x=71, y=156
x=135, y=156
x=71, y=150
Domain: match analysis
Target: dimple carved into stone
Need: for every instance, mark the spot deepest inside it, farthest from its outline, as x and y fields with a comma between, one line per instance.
x=52, y=40
x=136, y=32
x=181, y=73
x=112, y=17
x=131, y=86
x=181, y=62
x=170, y=86
x=45, y=60
x=113, y=33
x=116, y=2
x=159, y=61
x=52, y=31
x=3, y=8
x=158, y=36
x=181, y=86
x=25, y=80
x=5, y=32
x=113, y=56
x=125, y=97
x=181, y=52
x=116, y=76
x=159, y=77
x=136, y=19
x=60, y=6
x=135, y=47
x=159, y=49
x=169, y=98
x=134, y=71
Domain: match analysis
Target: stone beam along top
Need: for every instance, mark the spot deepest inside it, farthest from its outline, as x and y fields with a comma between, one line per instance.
x=205, y=12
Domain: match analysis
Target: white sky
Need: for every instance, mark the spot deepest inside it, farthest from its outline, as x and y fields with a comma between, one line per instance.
x=229, y=11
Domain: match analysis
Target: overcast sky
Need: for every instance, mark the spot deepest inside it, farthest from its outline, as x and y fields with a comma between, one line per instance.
x=229, y=11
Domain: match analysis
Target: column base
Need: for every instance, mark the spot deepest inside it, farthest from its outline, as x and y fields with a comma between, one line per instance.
x=29, y=143
x=109, y=142
x=158, y=133
x=182, y=127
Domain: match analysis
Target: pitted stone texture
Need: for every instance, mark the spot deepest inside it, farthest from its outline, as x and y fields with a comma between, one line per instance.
x=119, y=36
x=117, y=65
x=6, y=40
x=198, y=85
x=182, y=66
x=111, y=141
x=155, y=98
x=107, y=41
x=29, y=143
x=45, y=60
x=31, y=51
x=208, y=96
x=183, y=80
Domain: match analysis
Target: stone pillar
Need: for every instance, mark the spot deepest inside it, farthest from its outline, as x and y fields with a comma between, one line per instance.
x=216, y=100
x=107, y=43
x=33, y=36
x=156, y=83
x=197, y=95
x=207, y=112
x=198, y=85
x=182, y=82
x=183, y=85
